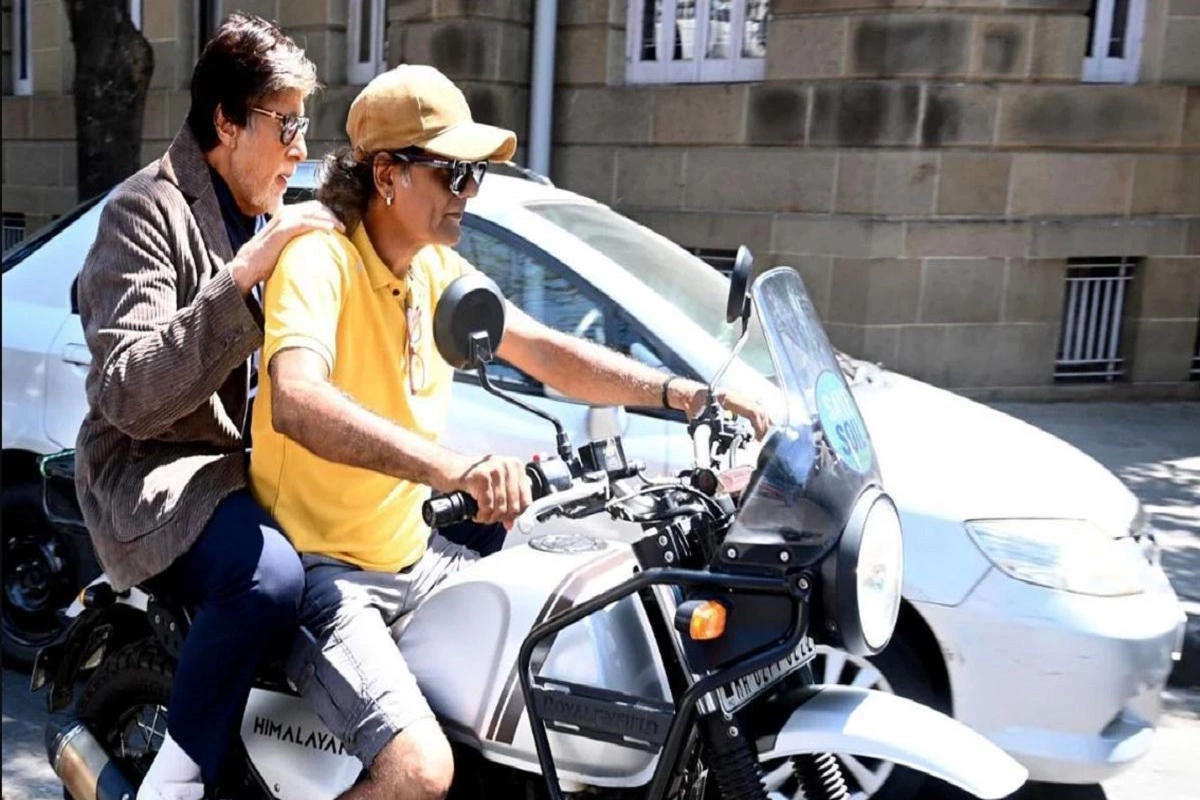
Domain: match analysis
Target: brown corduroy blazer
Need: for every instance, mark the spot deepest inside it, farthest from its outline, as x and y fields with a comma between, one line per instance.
x=170, y=337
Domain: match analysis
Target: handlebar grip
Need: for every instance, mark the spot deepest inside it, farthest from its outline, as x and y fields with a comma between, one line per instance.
x=438, y=512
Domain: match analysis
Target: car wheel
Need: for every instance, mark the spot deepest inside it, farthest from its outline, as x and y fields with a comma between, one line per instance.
x=897, y=670
x=36, y=573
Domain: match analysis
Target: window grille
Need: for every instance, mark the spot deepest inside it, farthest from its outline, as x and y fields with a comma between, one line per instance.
x=719, y=259
x=14, y=229
x=1090, y=346
x=1195, y=373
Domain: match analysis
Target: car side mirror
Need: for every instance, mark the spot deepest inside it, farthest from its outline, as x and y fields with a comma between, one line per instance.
x=737, y=307
x=469, y=322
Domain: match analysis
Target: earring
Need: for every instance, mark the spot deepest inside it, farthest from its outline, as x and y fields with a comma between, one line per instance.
x=388, y=199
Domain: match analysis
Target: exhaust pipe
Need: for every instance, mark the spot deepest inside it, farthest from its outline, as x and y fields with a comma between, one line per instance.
x=82, y=763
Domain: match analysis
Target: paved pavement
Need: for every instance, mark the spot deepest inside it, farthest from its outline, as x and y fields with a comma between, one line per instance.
x=1154, y=448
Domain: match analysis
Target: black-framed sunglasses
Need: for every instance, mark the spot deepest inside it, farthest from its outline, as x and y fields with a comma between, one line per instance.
x=459, y=171
x=289, y=124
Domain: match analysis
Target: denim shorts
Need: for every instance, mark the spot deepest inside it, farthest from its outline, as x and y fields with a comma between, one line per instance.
x=345, y=661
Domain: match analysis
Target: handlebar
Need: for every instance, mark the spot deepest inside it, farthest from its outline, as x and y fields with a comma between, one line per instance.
x=553, y=483
x=460, y=506
x=455, y=507
x=438, y=512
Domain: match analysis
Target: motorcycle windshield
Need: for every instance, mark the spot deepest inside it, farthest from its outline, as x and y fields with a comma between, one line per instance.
x=819, y=459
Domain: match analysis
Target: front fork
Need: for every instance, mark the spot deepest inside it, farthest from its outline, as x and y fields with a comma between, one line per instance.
x=734, y=766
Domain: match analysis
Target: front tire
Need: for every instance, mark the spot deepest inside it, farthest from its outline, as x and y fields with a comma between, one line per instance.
x=897, y=670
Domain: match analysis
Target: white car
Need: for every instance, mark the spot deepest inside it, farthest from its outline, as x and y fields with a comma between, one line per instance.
x=1035, y=610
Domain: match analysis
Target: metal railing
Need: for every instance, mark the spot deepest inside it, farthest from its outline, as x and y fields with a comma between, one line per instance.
x=1195, y=373
x=1090, y=346
x=718, y=258
x=14, y=230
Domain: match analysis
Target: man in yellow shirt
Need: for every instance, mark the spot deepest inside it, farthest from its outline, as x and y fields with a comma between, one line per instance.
x=354, y=399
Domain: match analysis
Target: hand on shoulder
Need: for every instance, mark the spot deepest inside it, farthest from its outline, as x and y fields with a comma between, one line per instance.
x=256, y=261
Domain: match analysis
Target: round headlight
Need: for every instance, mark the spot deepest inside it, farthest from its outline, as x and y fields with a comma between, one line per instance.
x=862, y=582
x=880, y=573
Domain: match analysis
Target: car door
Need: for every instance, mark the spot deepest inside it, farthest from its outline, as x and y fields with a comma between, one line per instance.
x=67, y=365
x=38, y=289
x=551, y=293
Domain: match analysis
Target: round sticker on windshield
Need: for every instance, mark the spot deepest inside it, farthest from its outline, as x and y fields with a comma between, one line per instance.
x=844, y=428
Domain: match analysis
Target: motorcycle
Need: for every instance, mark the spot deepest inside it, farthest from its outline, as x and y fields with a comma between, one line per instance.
x=677, y=666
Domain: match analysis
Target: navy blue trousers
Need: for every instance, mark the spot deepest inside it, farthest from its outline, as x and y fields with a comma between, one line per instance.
x=243, y=582
x=483, y=539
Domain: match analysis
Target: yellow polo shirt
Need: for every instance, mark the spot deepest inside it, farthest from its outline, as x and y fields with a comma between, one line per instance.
x=334, y=296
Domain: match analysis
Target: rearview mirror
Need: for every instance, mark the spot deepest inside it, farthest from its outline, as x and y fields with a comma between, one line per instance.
x=469, y=322
x=737, y=307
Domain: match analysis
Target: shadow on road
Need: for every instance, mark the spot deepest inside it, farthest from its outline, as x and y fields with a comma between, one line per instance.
x=1031, y=791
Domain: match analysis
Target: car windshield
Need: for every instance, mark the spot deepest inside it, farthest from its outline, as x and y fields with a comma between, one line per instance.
x=698, y=290
x=24, y=249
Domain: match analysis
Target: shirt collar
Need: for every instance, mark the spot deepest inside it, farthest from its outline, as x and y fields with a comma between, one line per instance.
x=230, y=212
x=381, y=277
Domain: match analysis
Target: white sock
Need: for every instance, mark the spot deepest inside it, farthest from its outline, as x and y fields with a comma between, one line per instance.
x=172, y=775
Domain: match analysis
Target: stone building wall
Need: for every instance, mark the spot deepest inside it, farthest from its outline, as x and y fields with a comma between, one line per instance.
x=928, y=165
x=929, y=170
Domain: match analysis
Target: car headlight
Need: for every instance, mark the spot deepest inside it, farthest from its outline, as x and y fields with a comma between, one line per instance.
x=1067, y=554
x=863, y=581
x=1143, y=533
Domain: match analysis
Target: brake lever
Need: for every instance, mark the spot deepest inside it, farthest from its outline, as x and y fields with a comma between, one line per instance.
x=539, y=510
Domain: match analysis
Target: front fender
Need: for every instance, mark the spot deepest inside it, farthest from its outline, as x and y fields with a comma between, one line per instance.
x=840, y=719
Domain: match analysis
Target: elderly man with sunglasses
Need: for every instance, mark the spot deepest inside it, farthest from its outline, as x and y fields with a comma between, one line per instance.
x=355, y=396
x=166, y=297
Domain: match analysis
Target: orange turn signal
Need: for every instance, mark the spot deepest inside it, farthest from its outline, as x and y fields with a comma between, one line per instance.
x=708, y=621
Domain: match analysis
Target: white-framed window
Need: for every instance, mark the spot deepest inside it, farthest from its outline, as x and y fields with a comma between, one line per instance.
x=208, y=19
x=364, y=48
x=136, y=7
x=1114, y=50
x=22, y=58
x=697, y=41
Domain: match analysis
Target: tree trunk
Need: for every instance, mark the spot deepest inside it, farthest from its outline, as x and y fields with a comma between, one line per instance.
x=113, y=65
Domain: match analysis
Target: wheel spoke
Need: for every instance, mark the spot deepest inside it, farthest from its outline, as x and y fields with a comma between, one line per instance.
x=867, y=677
x=835, y=664
x=778, y=776
x=868, y=779
x=154, y=727
x=149, y=730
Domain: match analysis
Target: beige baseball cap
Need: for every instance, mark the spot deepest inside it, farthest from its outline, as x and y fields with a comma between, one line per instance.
x=414, y=105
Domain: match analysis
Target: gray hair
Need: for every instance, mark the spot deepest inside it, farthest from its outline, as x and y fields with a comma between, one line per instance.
x=247, y=60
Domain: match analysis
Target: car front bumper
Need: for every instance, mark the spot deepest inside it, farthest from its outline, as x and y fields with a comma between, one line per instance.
x=1070, y=685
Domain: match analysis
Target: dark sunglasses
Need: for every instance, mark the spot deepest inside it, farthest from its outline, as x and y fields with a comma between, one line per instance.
x=459, y=171
x=289, y=124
